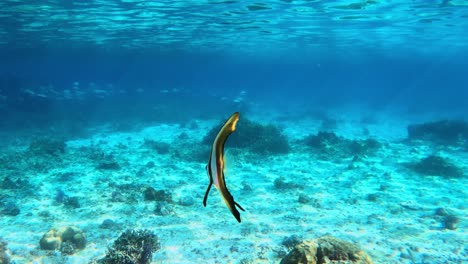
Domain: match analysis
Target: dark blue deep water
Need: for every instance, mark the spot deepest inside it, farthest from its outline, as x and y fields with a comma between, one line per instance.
x=382, y=54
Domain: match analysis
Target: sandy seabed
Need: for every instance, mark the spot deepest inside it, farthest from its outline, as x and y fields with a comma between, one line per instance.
x=375, y=202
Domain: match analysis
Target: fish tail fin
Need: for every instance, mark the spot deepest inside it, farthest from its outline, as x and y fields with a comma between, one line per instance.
x=240, y=207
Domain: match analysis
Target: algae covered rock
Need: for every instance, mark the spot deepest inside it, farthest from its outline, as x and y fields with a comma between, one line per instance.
x=326, y=249
x=67, y=240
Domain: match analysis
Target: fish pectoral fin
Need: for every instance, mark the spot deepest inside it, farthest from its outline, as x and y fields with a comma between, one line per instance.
x=206, y=193
x=240, y=207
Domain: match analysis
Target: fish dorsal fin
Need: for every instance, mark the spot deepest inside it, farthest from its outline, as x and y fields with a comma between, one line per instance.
x=226, y=130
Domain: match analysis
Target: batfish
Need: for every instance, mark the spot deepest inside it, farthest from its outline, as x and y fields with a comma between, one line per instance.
x=215, y=166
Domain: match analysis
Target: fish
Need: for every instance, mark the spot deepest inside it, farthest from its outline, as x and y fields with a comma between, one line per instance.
x=215, y=166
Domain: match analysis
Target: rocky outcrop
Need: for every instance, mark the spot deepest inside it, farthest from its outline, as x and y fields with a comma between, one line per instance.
x=326, y=249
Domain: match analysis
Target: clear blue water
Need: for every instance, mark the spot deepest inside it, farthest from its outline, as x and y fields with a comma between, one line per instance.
x=70, y=64
x=376, y=52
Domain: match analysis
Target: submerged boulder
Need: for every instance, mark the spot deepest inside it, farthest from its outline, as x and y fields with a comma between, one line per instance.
x=326, y=249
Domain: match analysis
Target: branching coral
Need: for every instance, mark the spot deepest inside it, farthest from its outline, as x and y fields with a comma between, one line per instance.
x=132, y=247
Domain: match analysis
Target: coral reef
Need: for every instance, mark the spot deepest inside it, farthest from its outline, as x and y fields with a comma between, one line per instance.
x=444, y=131
x=132, y=247
x=331, y=146
x=326, y=249
x=257, y=138
x=67, y=240
x=4, y=257
x=436, y=166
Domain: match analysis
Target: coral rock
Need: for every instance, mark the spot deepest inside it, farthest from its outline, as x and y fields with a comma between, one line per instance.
x=66, y=239
x=157, y=195
x=326, y=250
x=436, y=166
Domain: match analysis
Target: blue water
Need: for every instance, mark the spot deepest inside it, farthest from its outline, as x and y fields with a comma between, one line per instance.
x=68, y=66
x=315, y=52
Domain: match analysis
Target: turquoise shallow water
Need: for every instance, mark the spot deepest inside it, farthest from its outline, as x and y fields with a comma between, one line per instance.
x=351, y=145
